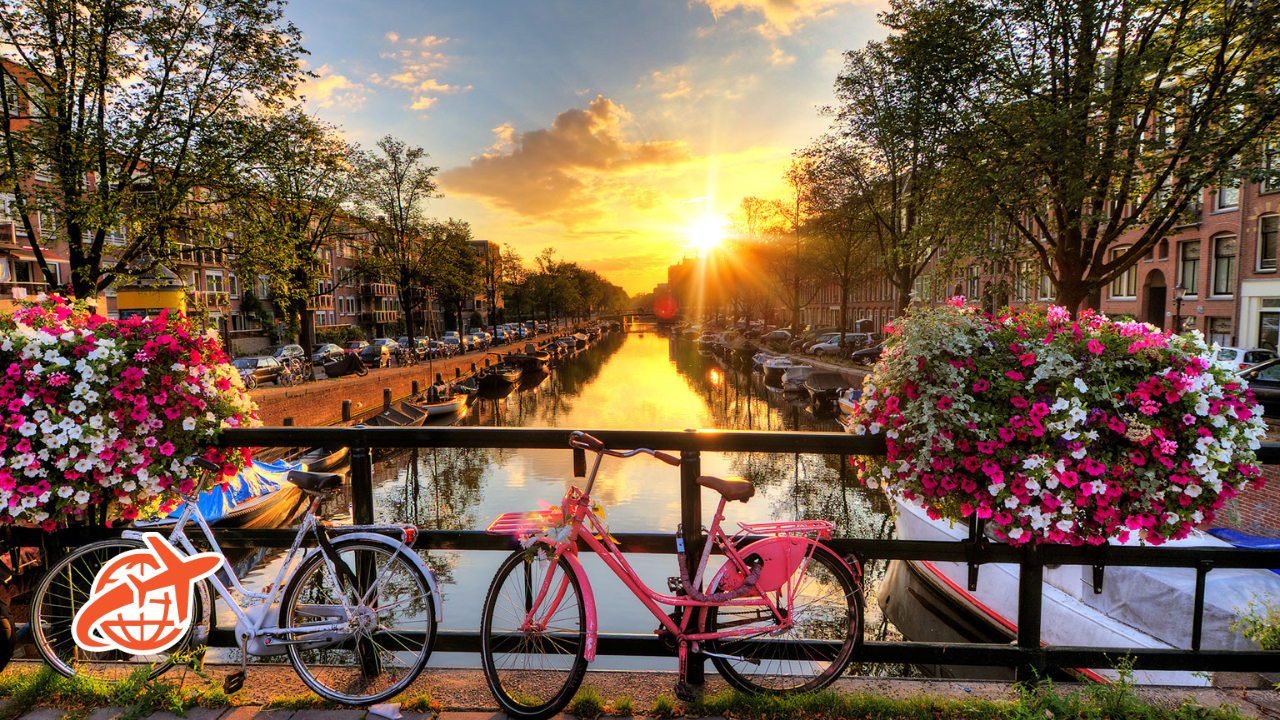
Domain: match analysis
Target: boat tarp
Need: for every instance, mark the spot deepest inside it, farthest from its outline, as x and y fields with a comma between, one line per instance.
x=254, y=481
x=825, y=381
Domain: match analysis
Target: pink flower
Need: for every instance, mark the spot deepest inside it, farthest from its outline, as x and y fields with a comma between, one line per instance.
x=1014, y=375
x=1096, y=347
x=166, y=449
x=981, y=385
x=944, y=403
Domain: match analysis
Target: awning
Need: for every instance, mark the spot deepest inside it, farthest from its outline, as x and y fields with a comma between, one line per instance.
x=28, y=256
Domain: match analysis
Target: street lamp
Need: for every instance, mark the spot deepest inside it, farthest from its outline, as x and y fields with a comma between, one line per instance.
x=1179, y=291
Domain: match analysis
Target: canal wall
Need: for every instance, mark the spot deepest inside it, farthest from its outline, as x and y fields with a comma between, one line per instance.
x=320, y=403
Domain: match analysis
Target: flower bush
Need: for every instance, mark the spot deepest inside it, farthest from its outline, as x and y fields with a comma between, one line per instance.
x=100, y=411
x=1058, y=430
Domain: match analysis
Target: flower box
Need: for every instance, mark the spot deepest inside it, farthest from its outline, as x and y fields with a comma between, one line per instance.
x=1054, y=429
x=103, y=414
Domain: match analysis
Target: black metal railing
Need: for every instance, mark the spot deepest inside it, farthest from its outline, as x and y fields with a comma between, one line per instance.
x=1027, y=656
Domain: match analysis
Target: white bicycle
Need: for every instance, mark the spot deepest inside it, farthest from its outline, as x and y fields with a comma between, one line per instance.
x=357, y=615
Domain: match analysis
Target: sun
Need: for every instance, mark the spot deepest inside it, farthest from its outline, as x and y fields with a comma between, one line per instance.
x=705, y=234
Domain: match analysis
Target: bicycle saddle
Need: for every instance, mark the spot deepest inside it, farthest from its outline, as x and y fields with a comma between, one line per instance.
x=315, y=482
x=734, y=488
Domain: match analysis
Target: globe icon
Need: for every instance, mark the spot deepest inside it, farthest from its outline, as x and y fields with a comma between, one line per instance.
x=139, y=627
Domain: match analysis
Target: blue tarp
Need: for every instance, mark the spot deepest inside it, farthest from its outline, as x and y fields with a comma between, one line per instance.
x=1239, y=539
x=254, y=481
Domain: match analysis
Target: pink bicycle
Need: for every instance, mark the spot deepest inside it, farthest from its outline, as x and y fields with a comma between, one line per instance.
x=781, y=614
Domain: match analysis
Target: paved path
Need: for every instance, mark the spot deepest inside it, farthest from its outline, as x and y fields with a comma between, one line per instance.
x=463, y=695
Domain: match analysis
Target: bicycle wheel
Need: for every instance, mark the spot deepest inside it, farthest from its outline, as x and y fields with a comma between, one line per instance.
x=395, y=619
x=826, y=608
x=533, y=672
x=63, y=591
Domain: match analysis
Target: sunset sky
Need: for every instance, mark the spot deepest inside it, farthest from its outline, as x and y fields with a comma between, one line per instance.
x=607, y=129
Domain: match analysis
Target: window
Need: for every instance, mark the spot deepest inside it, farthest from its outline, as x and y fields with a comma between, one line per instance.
x=1224, y=265
x=1126, y=285
x=1189, y=267
x=1046, y=287
x=213, y=281
x=1220, y=330
x=1023, y=281
x=1268, y=227
x=233, y=285
x=1271, y=164
x=1227, y=196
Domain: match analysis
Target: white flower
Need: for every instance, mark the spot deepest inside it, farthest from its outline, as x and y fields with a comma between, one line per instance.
x=66, y=490
x=82, y=497
x=1080, y=385
x=1016, y=533
x=27, y=429
x=190, y=424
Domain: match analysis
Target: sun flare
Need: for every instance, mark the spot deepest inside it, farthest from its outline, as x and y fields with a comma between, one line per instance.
x=705, y=234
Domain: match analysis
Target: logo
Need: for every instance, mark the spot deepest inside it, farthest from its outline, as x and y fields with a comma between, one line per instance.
x=140, y=601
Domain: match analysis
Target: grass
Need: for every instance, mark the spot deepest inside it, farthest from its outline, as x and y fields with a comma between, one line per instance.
x=137, y=695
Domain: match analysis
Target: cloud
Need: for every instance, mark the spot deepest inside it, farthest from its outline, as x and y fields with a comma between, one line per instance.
x=564, y=173
x=328, y=90
x=419, y=60
x=679, y=83
x=780, y=57
x=781, y=17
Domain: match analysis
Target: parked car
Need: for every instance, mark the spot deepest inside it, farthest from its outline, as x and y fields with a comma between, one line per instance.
x=378, y=353
x=1235, y=359
x=453, y=345
x=325, y=353
x=1264, y=380
x=355, y=346
x=809, y=345
x=542, y=327
x=501, y=336
x=257, y=370
x=281, y=352
x=784, y=335
x=868, y=356
x=832, y=347
x=809, y=337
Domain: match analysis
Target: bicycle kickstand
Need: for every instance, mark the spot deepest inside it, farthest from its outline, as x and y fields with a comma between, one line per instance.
x=686, y=692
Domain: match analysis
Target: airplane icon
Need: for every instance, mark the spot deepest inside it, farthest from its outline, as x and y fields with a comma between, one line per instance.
x=179, y=573
x=118, y=588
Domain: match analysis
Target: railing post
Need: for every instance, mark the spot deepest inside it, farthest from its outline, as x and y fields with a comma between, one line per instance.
x=346, y=411
x=691, y=527
x=361, y=485
x=386, y=398
x=1030, y=603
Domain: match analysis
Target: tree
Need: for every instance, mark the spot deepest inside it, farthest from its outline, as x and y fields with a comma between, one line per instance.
x=129, y=108
x=841, y=226
x=391, y=194
x=285, y=205
x=790, y=259
x=1093, y=126
x=887, y=145
x=450, y=269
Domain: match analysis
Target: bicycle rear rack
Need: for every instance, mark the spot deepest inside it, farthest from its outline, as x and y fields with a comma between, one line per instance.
x=797, y=527
x=522, y=523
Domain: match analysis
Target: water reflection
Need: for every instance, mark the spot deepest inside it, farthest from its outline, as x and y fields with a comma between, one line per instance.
x=624, y=381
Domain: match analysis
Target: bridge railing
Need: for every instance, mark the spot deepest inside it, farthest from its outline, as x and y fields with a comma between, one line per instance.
x=1027, y=656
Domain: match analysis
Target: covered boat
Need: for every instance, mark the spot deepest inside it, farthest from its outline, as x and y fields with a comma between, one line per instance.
x=498, y=375
x=532, y=360
x=824, y=386
x=774, y=368
x=793, y=378
x=1136, y=607
x=259, y=496
x=403, y=415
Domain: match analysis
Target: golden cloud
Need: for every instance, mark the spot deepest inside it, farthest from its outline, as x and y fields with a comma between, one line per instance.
x=419, y=61
x=566, y=172
x=780, y=16
x=328, y=89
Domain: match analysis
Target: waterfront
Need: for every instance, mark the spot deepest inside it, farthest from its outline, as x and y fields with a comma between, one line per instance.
x=625, y=381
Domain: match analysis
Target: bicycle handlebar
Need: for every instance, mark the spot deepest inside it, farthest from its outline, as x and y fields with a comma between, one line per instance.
x=583, y=441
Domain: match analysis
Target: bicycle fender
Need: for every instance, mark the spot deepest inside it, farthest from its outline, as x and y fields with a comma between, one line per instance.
x=589, y=604
x=781, y=556
x=436, y=598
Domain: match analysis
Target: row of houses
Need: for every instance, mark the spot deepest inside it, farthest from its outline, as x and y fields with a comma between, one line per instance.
x=1216, y=272
x=202, y=277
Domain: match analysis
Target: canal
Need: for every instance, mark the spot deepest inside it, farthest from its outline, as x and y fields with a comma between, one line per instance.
x=636, y=381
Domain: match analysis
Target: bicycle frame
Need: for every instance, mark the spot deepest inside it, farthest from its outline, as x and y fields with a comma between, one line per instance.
x=262, y=625
x=584, y=525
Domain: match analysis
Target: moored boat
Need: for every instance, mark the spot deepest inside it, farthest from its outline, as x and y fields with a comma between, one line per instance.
x=1135, y=607
x=793, y=378
x=774, y=368
x=824, y=386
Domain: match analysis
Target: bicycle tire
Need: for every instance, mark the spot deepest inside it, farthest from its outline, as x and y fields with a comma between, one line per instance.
x=562, y=661
x=832, y=608
x=60, y=595
x=251, y=382
x=336, y=669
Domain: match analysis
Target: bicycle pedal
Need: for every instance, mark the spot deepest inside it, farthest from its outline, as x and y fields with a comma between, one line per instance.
x=233, y=682
x=675, y=585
